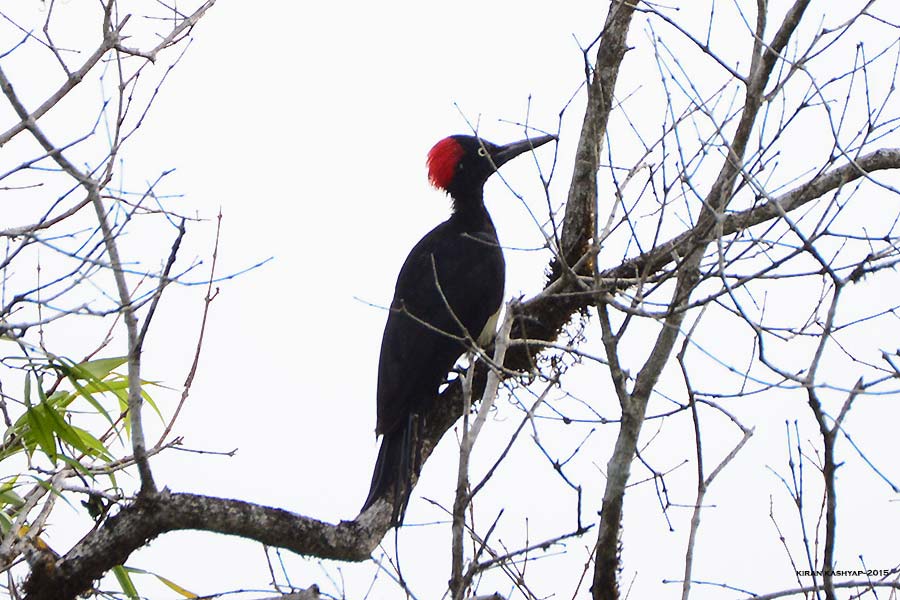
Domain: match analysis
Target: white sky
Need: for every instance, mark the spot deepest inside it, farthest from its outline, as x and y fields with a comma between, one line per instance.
x=309, y=125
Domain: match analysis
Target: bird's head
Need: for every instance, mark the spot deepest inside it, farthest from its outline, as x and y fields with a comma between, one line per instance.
x=460, y=164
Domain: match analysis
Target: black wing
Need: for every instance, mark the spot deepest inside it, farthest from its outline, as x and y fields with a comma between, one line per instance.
x=450, y=277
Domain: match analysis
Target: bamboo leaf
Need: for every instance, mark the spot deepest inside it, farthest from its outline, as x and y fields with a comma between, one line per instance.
x=125, y=582
x=97, y=369
x=167, y=582
x=95, y=446
x=42, y=431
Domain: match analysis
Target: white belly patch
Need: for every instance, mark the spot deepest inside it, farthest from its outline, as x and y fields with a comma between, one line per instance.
x=490, y=329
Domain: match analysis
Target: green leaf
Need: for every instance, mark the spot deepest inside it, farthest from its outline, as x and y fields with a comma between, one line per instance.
x=177, y=588
x=42, y=431
x=94, y=446
x=9, y=497
x=84, y=393
x=112, y=479
x=5, y=522
x=167, y=582
x=13, y=449
x=93, y=372
x=125, y=582
x=65, y=432
x=97, y=369
x=110, y=385
x=58, y=398
x=151, y=403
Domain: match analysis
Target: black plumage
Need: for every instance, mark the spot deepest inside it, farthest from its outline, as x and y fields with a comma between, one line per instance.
x=447, y=297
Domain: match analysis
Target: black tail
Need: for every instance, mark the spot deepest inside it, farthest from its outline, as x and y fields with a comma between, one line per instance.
x=397, y=464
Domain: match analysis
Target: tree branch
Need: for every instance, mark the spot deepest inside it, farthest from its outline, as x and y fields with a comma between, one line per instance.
x=581, y=206
x=149, y=516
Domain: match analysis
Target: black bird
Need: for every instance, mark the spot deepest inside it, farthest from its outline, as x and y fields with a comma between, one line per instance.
x=448, y=296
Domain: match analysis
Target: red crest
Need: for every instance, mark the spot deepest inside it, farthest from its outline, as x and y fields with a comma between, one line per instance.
x=442, y=161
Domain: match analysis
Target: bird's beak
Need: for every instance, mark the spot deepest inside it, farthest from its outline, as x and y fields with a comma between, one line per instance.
x=506, y=153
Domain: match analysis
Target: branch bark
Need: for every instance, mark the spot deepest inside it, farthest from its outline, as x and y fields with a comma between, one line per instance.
x=634, y=405
x=150, y=516
x=580, y=220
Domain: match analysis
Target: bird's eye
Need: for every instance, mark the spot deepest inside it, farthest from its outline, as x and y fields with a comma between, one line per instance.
x=482, y=151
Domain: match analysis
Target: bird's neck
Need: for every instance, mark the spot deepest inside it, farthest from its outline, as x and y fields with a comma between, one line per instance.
x=470, y=213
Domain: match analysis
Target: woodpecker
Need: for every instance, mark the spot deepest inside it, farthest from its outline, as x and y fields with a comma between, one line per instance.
x=447, y=297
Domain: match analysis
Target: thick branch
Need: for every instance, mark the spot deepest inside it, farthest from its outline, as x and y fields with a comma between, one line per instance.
x=581, y=207
x=606, y=557
x=654, y=260
x=150, y=516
